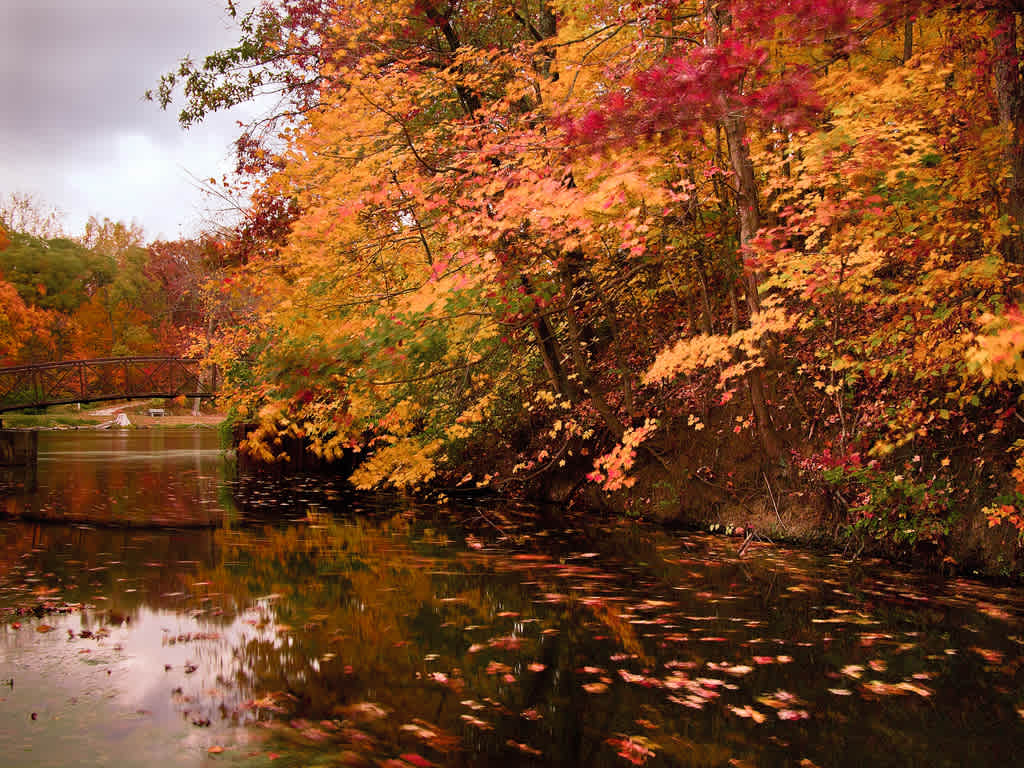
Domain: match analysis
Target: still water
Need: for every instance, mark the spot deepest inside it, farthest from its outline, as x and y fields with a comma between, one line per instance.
x=292, y=623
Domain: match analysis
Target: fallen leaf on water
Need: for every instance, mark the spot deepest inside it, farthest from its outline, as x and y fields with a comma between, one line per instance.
x=366, y=711
x=476, y=722
x=920, y=690
x=635, y=749
x=524, y=748
x=880, y=688
x=692, y=701
x=497, y=668
x=509, y=643
x=749, y=712
x=649, y=682
x=44, y=628
x=992, y=657
x=419, y=731
x=418, y=760
x=780, y=700
x=793, y=714
x=739, y=670
x=215, y=750
x=595, y=687
x=993, y=611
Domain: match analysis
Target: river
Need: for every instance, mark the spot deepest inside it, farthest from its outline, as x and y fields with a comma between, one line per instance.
x=294, y=623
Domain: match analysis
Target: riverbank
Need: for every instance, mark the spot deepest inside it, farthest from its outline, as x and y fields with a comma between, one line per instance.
x=139, y=415
x=788, y=506
x=724, y=486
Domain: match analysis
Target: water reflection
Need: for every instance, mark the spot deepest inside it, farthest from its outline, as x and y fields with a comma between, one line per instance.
x=398, y=637
x=126, y=477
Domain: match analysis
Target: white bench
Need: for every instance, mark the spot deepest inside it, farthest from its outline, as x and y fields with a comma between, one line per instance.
x=154, y=412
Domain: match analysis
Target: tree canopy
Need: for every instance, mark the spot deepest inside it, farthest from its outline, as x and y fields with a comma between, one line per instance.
x=492, y=242
x=105, y=293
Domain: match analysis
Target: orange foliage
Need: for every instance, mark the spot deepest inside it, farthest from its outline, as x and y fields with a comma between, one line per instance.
x=24, y=331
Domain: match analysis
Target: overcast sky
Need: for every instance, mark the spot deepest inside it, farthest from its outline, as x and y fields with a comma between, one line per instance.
x=75, y=129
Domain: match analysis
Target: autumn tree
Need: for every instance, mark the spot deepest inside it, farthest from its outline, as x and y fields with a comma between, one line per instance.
x=588, y=239
x=27, y=213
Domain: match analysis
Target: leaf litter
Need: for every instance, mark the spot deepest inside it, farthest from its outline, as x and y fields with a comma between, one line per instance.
x=663, y=646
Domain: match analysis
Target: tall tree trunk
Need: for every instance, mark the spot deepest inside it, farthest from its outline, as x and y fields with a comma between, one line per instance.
x=547, y=345
x=470, y=101
x=1010, y=100
x=749, y=215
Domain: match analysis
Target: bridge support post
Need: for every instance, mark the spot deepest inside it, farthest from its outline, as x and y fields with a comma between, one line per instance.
x=18, y=447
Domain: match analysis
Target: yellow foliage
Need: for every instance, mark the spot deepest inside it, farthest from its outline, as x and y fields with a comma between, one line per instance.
x=407, y=463
x=998, y=352
x=704, y=351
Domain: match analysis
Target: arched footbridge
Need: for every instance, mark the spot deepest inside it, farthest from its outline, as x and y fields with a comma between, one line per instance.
x=90, y=381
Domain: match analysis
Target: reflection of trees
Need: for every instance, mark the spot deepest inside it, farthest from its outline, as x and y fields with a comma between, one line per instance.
x=377, y=612
x=81, y=564
x=388, y=612
x=152, y=477
x=354, y=615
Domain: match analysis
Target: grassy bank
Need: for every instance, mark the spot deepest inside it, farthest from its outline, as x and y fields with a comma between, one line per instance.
x=175, y=415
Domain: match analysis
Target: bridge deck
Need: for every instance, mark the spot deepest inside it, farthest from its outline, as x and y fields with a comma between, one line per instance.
x=89, y=381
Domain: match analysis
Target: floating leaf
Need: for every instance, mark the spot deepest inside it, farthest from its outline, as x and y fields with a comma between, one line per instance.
x=793, y=714
x=418, y=760
x=476, y=722
x=497, y=668
x=992, y=657
x=749, y=712
x=524, y=748
x=635, y=749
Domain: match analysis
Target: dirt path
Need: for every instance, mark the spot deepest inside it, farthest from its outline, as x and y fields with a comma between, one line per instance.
x=112, y=410
x=145, y=420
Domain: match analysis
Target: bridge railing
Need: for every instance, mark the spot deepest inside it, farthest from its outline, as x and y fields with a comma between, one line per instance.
x=87, y=381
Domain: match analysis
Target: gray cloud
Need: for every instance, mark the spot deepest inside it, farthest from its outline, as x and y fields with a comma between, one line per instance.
x=72, y=78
